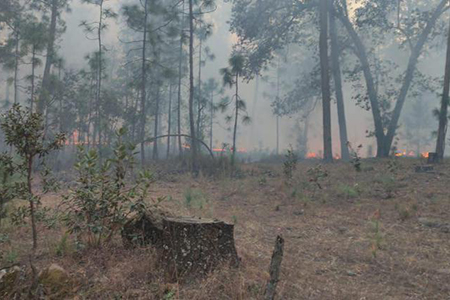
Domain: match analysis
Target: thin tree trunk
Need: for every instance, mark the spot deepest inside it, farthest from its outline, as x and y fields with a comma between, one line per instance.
x=277, y=112
x=7, y=88
x=443, y=115
x=326, y=95
x=191, y=87
x=199, y=100
x=143, y=84
x=33, y=68
x=255, y=101
x=49, y=58
x=16, y=67
x=236, y=117
x=156, y=126
x=211, y=121
x=336, y=68
x=99, y=80
x=169, y=122
x=180, y=71
x=31, y=200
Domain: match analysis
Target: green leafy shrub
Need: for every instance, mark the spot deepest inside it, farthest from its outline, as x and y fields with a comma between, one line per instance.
x=101, y=202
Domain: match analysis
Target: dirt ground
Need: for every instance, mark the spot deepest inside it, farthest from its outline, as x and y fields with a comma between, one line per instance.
x=381, y=233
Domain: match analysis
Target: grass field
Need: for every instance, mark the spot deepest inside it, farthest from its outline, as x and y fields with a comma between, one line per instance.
x=382, y=233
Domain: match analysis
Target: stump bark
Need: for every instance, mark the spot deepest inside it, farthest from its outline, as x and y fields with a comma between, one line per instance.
x=189, y=248
x=143, y=230
x=433, y=158
x=194, y=247
x=274, y=270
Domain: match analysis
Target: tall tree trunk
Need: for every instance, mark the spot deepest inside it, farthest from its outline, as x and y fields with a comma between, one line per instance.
x=361, y=53
x=180, y=74
x=277, y=112
x=143, y=84
x=49, y=60
x=33, y=69
x=199, y=100
x=169, y=122
x=7, y=88
x=236, y=117
x=191, y=87
x=407, y=81
x=325, y=75
x=99, y=80
x=384, y=141
x=211, y=121
x=16, y=66
x=336, y=68
x=156, y=126
x=89, y=114
x=443, y=114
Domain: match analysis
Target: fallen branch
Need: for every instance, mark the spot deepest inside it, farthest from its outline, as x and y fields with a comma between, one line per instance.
x=181, y=135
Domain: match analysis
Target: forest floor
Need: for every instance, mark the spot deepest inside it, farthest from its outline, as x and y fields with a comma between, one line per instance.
x=382, y=233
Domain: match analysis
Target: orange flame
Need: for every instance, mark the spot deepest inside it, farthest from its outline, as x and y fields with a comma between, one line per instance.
x=311, y=155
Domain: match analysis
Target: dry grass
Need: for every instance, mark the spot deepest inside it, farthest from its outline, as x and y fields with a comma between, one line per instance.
x=333, y=250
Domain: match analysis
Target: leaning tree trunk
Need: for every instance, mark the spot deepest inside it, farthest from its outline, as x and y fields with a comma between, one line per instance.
x=336, y=68
x=361, y=53
x=443, y=115
x=407, y=81
x=326, y=95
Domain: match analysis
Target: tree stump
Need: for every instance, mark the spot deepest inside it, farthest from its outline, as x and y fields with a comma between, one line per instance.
x=194, y=247
x=433, y=158
x=143, y=230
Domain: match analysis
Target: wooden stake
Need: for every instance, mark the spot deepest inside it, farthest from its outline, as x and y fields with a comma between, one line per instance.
x=275, y=265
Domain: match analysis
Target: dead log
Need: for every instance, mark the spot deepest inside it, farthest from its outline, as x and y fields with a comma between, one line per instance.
x=424, y=169
x=274, y=270
x=194, y=247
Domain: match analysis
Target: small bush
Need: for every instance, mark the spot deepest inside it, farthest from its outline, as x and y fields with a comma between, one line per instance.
x=348, y=192
x=194, y=198
x=99, y=205
x=289, y=165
